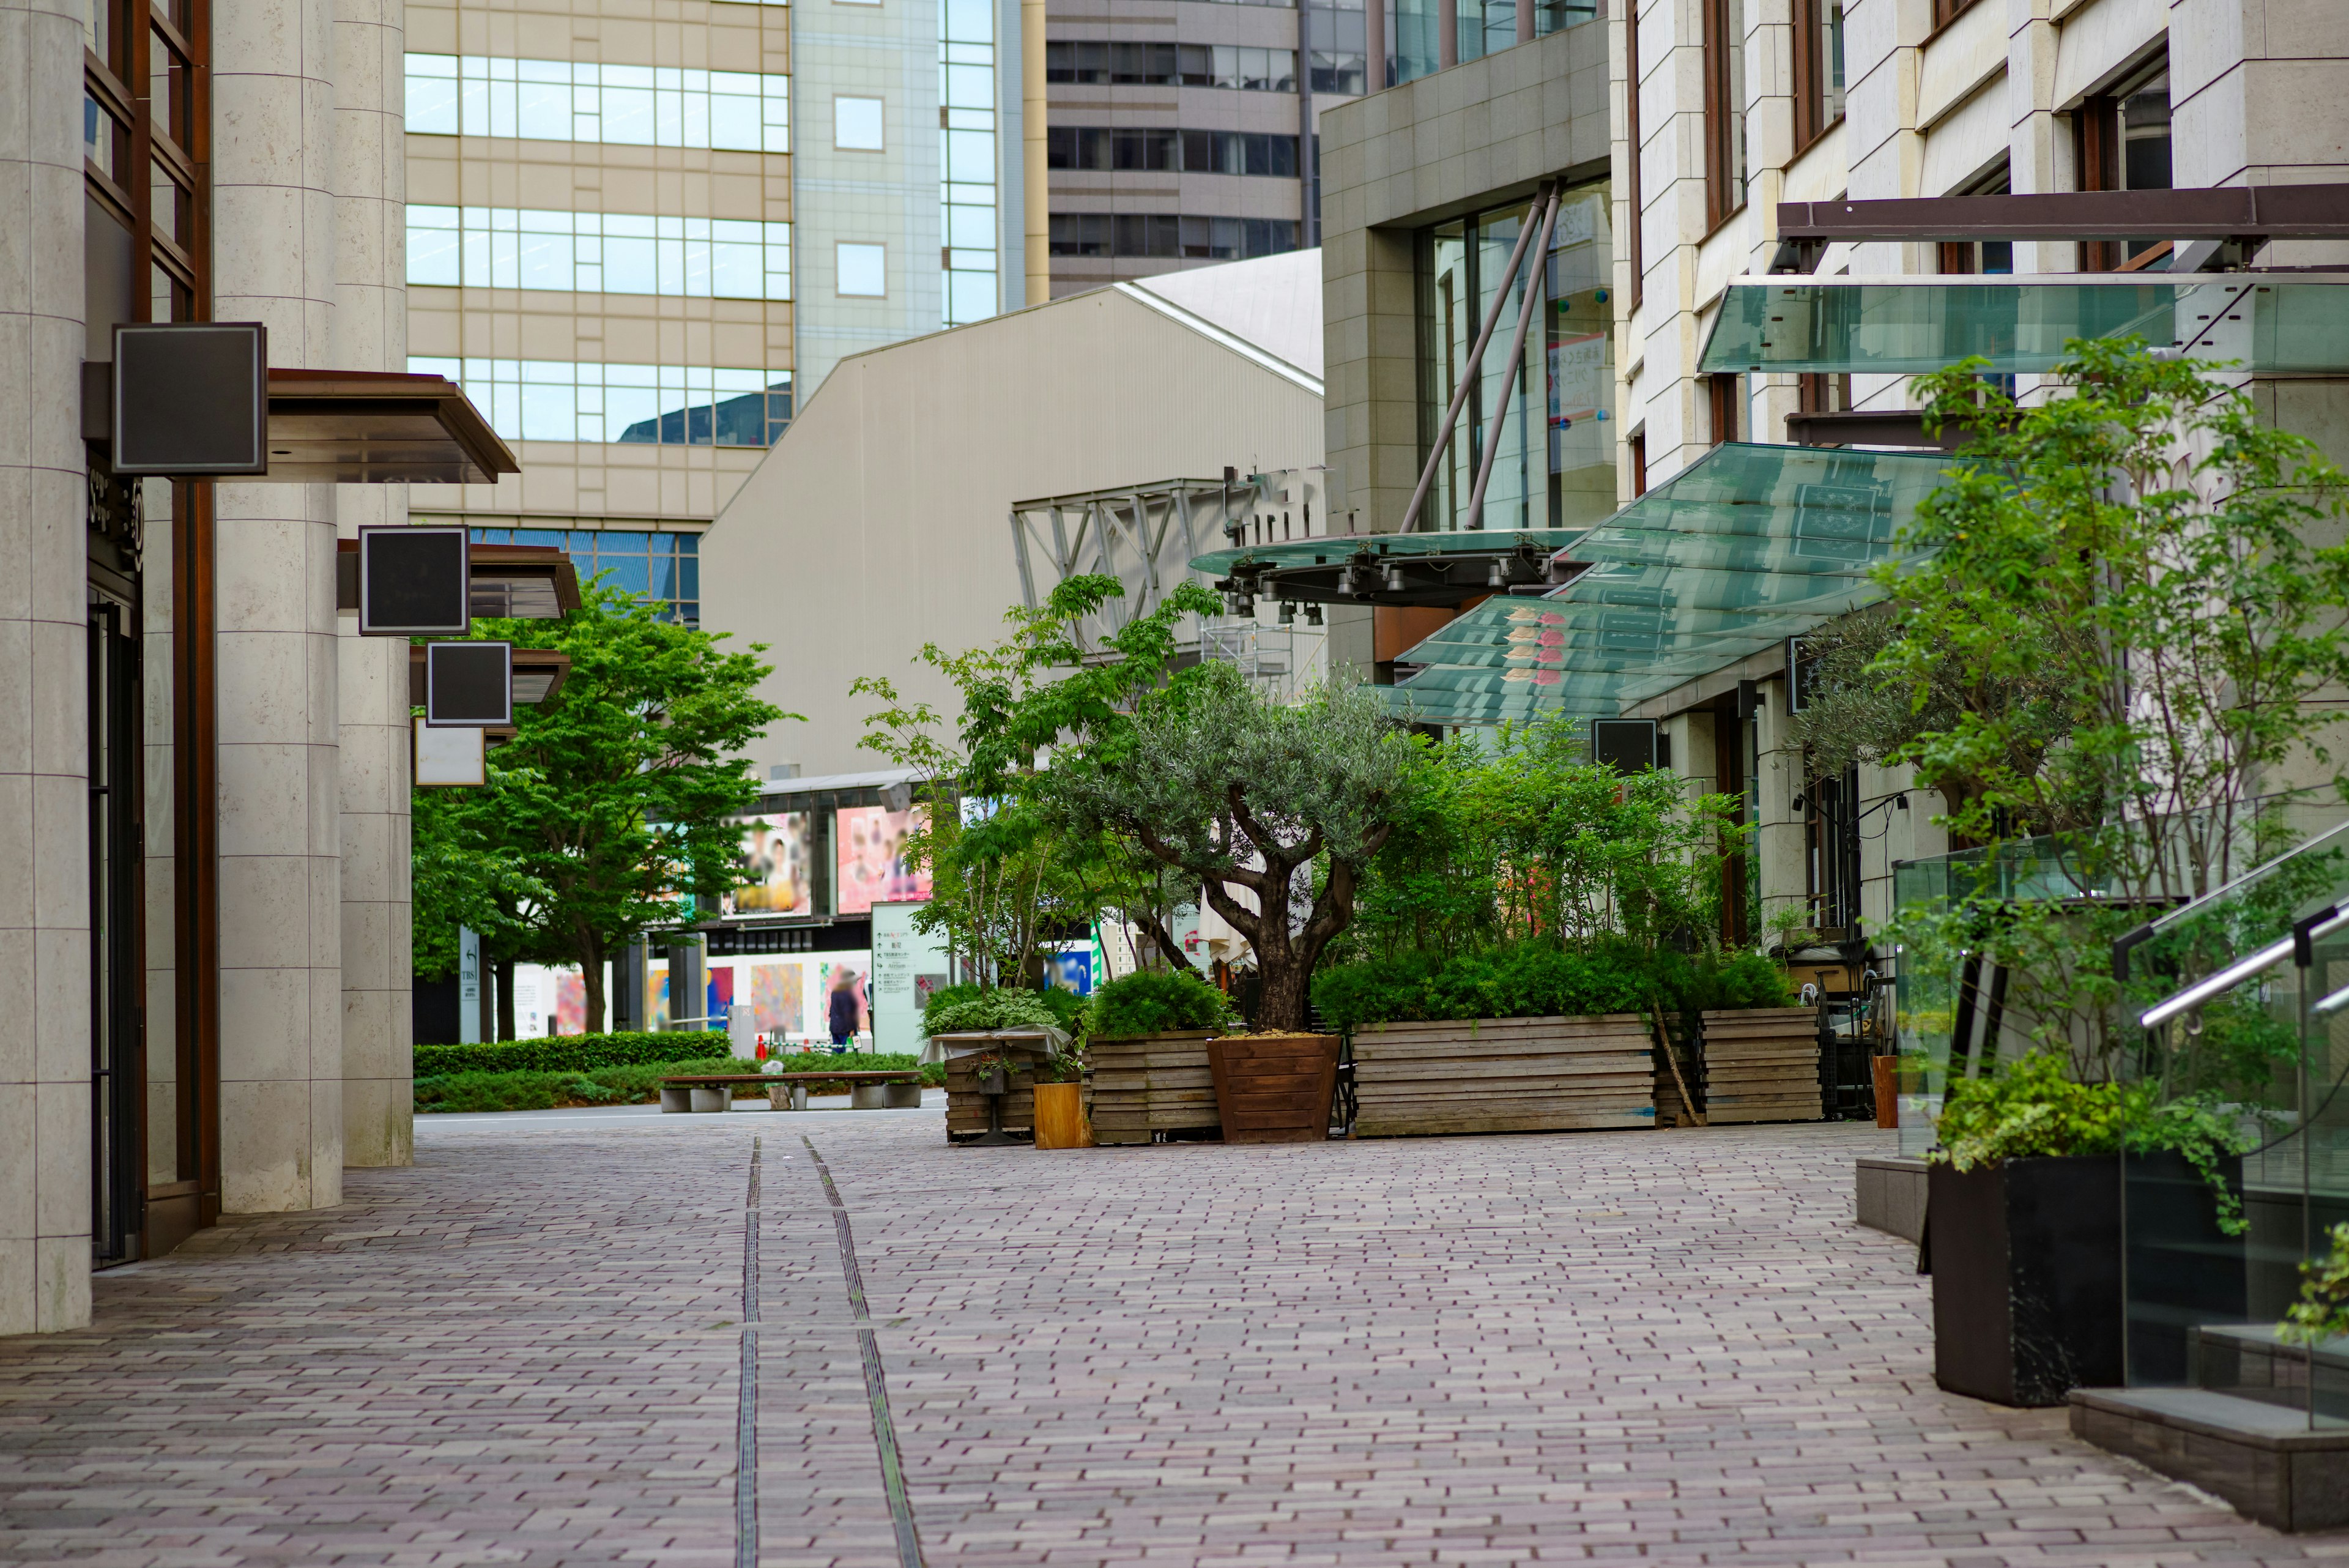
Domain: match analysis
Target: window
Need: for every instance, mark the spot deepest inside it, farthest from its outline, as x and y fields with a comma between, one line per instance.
x=598, y=253
x=662, y=569
x=856, y=124
x=1947, y=11
x=2121, y=142
x=1818, y=68
x=1632, y=161
x=1556, y=464
x=1966, y=257
x=1102, y=64
x=966, y=152
x=863, y=270
x=1639, y=444
x=664, y=405
x=1724, y=108
x=1171, y=151
x=560, y=101
x=1137, y=234
x=1723, y=394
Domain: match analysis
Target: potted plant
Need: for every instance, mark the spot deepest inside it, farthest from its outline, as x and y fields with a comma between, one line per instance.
x=2023, y=1228
x=993, y=1043
x=1274, y=1087
x=1146, y=1040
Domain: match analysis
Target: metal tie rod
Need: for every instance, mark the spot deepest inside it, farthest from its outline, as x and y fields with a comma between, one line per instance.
x=1547, y=192
x=1516, y=362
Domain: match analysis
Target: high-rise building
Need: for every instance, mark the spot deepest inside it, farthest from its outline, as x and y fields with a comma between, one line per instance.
x=640, y=236
x=1188, y=135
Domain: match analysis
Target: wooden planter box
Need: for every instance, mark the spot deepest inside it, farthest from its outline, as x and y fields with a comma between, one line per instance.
x=1146, y=1083
x=1762, y=1065
x=1275, y=1089
x=966, y=1107
x=1504, y=1075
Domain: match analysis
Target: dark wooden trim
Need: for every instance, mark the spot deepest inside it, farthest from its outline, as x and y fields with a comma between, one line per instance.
x=1811, y=120
x=1720, y=145
x=196, y=838
x=1946, y=12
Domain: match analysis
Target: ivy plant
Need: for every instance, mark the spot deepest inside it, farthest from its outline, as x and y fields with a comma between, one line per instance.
x=2323, y=1310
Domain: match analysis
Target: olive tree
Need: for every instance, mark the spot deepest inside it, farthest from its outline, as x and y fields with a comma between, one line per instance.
x=1221, y=783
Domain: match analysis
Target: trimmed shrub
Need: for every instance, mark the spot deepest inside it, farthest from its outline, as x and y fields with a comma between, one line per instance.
x=1531, y=980
x=1153, y=1002
x=632, y=1084
x=570, y=1052
x=980, y=1009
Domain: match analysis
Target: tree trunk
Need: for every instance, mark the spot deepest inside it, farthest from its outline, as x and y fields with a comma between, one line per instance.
x=1284, y=1001
x=592, y=973
x=505, y=968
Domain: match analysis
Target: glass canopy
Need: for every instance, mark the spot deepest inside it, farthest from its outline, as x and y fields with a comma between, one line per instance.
x=2264, y=322
x=1744, y=548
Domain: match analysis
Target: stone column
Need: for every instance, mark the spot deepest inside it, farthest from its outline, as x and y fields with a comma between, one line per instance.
x=44, y=1141
x=371, y=334
x=280, y=776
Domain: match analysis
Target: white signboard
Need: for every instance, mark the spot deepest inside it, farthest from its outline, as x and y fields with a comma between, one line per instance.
x=907, y=965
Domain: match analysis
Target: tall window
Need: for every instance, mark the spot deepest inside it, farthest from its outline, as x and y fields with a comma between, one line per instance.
x=1946, y=11
x=1724, y=108
x=1723, y=394
x=2121, y=142
x=1555, y=463
x=1818, y=68
x=1631, y=135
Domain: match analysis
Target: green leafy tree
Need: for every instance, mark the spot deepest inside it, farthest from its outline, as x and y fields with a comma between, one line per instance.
x=1247, y=795
x=1015, y=868
x=616, y=803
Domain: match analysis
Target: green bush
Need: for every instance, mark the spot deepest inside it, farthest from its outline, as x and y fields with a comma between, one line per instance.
x=633, y=1084
x=976, y=1010
x=570, y=1052
x=1538, y=980
x=1155, y=1001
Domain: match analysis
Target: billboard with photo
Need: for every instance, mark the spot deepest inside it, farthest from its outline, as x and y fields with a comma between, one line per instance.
x=778, y=867
x=870, y=844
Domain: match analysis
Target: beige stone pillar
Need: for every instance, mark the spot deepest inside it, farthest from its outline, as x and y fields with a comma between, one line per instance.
x=280, y=780
x=371, y=334
x=44, y=1142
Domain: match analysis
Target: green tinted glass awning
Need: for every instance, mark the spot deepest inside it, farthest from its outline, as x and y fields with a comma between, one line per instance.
x=1746, y=546
x=1905, y=325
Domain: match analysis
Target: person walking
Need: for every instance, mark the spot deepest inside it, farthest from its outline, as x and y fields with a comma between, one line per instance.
x=844, y=1010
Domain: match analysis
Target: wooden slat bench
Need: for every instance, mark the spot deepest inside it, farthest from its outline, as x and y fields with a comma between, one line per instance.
x=899, y=1089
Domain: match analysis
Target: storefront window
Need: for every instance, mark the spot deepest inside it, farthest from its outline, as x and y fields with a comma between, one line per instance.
x=1555, y=463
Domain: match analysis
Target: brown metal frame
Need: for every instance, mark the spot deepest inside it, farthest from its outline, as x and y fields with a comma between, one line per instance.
x=167, y=144
x=1722, y=116
x=2224, y=212
x=1632, y=130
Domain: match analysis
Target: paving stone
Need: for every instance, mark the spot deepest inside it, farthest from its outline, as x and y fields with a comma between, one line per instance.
x=1666, y=1348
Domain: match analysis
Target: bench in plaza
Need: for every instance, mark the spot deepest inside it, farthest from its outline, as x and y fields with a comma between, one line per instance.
x=867, y=1091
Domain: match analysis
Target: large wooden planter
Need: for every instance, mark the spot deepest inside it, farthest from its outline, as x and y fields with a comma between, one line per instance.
x=1762, y=1065
x=1275, y=1089
x=1504, y=1074
x=1149, y=1084
x=966, y=1107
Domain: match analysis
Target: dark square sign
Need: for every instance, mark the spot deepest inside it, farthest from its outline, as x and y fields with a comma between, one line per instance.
x=467, y=683
x=415, y=582
x=190, y=399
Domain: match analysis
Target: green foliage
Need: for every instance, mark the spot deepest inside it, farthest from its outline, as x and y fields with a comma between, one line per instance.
x=571, y=1053
x=614, y=806
x=987, y=1010
x=1013, y=868
x=1536, y=980
x=631, y=1083
x=1155, y=1001
x=2117, y=607
x=2322, y=1312
x=2032, y=1109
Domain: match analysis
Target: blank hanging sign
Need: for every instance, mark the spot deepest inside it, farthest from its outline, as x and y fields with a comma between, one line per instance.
x=415, y=582
x=469, y=684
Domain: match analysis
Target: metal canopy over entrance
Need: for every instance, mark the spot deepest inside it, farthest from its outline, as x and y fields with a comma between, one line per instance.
x=1746, y=546
x=2267, y=322
x=1446, y=568
x=353, y=427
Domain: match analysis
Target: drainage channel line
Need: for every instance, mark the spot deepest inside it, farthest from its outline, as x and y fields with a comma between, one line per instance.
x=884, y=1431
x=745, y=1421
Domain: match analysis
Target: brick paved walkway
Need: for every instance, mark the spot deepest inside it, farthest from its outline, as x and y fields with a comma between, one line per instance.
x=1640, y=1347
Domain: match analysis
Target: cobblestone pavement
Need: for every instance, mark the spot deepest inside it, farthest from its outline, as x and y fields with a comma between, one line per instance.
x=1638, y=1347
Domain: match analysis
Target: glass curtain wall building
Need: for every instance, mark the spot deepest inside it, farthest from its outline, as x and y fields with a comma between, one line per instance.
x=639, y=235
x=1555, y=466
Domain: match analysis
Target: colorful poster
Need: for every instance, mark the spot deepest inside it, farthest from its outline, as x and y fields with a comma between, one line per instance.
x=778, y=867
x=778, y=998
x=848, y=975
x=870, y=841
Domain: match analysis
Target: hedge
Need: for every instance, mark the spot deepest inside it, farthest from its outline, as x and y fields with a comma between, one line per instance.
x=1534, y=980
x=637, y=1084
x=571, y=1053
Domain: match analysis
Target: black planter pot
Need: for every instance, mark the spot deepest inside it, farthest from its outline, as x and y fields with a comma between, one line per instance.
x=2027, y=1259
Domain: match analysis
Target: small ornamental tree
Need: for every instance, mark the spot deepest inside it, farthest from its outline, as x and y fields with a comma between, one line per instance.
x=1218, y=781
x=617, y=801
